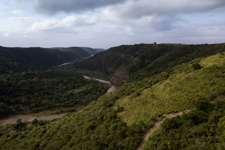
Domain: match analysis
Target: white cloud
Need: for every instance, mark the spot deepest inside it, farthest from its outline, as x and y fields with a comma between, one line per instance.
x=17, y=12
x=16, y=24
x=7, y=34
x=67, y=22
x=44, y=25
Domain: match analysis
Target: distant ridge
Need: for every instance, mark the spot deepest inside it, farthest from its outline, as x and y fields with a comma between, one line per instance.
x=16, y=59
x=132, y=62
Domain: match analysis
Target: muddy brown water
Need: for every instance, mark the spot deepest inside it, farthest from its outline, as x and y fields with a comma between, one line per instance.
x=28, y=118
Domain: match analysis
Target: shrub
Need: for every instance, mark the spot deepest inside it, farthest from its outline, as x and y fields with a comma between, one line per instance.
x=196, y=66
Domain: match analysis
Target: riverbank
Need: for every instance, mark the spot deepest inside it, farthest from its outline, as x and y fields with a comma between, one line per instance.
x=112, y=87
x=29, y=118
x=46, y=115
x=50, y=114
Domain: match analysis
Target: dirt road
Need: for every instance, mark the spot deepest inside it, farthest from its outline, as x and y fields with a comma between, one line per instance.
x=156, y=126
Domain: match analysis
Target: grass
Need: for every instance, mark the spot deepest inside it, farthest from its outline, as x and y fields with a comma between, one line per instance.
x=178, y=92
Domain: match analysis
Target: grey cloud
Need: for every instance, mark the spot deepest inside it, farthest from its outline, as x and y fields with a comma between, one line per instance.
x=164, y=13
x=54, y=6
x=163, y=23
x=140, y=8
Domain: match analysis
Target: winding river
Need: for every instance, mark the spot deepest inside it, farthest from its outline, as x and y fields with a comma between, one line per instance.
x=29, y=118
x=112, y=87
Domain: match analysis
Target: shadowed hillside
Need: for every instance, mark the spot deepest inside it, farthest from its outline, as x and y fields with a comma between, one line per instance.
x=81, y=52
x=22, y=59
x=134, y=62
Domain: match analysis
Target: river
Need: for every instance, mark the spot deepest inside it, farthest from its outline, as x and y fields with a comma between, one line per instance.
x=112, y=87
x=28, y=118
x=12, y=119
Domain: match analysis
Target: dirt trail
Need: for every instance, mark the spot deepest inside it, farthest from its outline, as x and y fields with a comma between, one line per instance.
x=158, y=123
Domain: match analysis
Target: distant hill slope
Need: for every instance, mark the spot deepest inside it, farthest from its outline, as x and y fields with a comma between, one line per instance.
x=120, y=119
x=134, y=62
x=82, y=52
x=33, y=91
x=21, y=59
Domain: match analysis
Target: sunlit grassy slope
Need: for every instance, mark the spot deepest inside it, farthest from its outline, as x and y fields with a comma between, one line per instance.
x=179, y=90
x=120, y=119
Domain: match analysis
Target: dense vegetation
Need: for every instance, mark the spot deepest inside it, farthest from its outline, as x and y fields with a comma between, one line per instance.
x=23, y=59
x=24, y=89
x=175, y=90
x=95, y=127
x=36, y=91
x=203, y=128
x=143, y=60
x=120, y=119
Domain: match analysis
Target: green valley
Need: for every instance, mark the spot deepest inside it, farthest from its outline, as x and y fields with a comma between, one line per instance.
x=156, y=80
x=30, y=84
x=36, y=58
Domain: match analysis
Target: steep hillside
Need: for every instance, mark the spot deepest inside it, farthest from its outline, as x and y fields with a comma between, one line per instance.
x=119, y=120
x=134, y=62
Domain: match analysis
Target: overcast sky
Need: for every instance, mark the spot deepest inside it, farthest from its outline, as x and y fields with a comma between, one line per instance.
x=108, y=23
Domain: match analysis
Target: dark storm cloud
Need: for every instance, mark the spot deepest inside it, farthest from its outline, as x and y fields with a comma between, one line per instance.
x=54, y=6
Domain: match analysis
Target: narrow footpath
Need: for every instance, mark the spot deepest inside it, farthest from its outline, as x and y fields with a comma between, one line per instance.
x=156, y=126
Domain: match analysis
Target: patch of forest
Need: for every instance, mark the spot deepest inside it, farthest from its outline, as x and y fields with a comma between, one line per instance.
x=34, y=91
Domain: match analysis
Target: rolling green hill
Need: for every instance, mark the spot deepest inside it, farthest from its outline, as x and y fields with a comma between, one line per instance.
x=134, y=62
x=23, y=59
x=120, y=119
x=81, y=52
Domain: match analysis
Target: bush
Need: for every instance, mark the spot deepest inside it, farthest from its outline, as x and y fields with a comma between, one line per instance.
x=170, y=124
x=197, y=117
x=203, y=106
x=196, y=66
